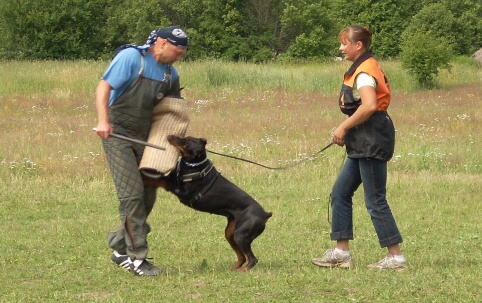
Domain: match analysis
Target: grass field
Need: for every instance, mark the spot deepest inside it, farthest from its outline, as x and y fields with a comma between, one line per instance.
x=57, y=200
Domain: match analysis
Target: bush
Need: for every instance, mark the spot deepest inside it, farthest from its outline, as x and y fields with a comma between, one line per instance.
x=54, y=29
x=423, y=54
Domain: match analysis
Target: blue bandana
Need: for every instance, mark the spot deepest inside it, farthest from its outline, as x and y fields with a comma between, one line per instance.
x=173, y=34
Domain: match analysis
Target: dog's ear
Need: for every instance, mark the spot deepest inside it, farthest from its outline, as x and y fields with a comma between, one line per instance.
x=203, y=141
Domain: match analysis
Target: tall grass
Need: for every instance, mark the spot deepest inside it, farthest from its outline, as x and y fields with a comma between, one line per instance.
x=57, y=200
x=64, y=78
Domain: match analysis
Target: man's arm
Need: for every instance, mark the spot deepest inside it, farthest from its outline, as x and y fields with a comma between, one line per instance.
x=102, y=94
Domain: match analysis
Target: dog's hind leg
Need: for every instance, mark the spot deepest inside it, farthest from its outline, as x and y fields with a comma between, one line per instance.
x=243, y=237
x=251, y=259
x=229, y=234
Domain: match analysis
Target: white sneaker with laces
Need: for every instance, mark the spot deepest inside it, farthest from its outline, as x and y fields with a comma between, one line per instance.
x=332, y=259
x=389, y=262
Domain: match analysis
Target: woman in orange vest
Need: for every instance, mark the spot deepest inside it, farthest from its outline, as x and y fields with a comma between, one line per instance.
x=369, y=136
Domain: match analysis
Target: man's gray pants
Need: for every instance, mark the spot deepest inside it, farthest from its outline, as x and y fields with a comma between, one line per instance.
x=135, y=200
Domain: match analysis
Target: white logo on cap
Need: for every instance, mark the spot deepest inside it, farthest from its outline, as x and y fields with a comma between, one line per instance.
x=177, y=32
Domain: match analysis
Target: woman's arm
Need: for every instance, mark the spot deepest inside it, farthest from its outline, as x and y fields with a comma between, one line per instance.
x=368, y=106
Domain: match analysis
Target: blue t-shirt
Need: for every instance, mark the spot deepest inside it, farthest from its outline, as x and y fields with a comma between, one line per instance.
x=125, y=67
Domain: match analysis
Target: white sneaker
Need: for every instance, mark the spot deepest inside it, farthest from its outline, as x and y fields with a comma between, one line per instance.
x=389, y=262
x=331, y=259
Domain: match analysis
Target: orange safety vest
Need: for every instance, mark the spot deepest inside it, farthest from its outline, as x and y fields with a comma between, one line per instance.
x=348, y=104
x=374, y=138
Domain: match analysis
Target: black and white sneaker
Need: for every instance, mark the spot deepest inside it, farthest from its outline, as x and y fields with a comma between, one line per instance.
x=145, y=269
x=121, y=260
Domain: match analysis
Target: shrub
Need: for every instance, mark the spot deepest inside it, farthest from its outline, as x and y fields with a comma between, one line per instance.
x=423, y=54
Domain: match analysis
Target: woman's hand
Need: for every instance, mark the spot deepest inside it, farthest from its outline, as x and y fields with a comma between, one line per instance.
x=339, y=136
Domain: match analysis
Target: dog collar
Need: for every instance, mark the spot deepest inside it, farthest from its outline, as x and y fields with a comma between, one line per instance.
x=198, y=175
x=196, y=164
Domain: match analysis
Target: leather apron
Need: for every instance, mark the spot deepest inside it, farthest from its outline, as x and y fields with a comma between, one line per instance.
x=131, y=116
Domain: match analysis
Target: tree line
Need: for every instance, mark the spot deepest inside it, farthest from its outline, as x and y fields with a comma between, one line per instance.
x=239, y=30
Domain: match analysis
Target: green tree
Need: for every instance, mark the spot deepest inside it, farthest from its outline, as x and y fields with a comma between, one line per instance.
x=386, y=19
x=428, y=42
x=423, y=55
x=308, y=29
x=467, y=23
x=249, y=30
x=434, y=18
x=237, y=30
x=54, y=29
x=131, y=21
x=258, y=36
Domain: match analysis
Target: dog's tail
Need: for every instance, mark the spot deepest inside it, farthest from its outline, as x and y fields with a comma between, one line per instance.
x=268, y=215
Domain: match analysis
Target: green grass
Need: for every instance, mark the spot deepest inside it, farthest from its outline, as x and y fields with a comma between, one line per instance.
x=57, y=200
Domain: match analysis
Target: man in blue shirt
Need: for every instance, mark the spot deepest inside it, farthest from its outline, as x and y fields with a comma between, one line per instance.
x=136, y=81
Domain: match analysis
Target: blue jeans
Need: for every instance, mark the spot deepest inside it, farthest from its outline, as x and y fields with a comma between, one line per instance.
x=372, y=173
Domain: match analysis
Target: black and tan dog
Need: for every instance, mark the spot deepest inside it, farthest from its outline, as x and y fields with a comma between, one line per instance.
x=200, y=186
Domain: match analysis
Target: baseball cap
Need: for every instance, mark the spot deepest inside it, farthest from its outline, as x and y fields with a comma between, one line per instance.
x=174, y=34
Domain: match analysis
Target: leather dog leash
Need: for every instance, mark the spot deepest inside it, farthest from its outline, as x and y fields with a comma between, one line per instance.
x=274, y=168
x=224, y=155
